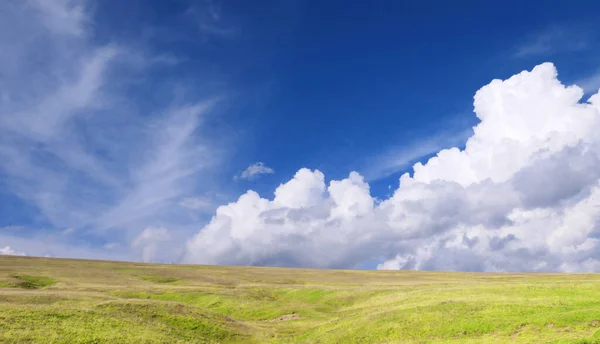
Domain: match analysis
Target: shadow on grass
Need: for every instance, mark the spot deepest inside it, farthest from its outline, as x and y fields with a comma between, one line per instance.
x=30, y=282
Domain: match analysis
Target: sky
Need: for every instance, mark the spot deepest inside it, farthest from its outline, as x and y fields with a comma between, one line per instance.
x=382, y=135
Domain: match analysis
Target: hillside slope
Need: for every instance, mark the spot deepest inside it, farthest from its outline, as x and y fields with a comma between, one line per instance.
x=77, y=301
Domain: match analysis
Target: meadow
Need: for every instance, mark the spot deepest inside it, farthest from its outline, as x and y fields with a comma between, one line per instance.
x=45, y=300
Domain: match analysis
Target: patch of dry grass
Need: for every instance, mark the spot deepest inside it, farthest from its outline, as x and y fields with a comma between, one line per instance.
x=77, y=301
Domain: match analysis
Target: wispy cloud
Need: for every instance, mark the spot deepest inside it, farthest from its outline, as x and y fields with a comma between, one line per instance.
x=210, y=21
x=254, y=171
x=66, y=17
x=7, y=251
x=76, y=140
x=42, y=103
x=590, y=84
x=68, y=231
x=11, y=228
x=196, y=203
x=49, y=245
x=165, y=176
x=111, y=245
x=149, y=243
x=402, y=157
x=552, y=40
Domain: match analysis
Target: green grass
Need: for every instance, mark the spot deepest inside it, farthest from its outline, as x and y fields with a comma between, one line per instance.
x=160, y=279
x=28, y=282
x=76, y=301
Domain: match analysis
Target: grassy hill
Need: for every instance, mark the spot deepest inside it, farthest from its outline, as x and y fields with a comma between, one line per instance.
x=77, y=301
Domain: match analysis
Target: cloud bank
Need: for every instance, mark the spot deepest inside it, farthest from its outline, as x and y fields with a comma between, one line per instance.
x=524, y=195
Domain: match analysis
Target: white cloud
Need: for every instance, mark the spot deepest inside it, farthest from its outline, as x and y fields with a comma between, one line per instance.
x=111, y=245
x=196, y=203
x=168, y=172
x=552, y=40
x=523, y=195
x=590, y=84
x=402, y=157
x=7, y=251
x=68, y=231
x=210, y=20
x=11, y=228
x=48, y=244
x=153, y=244
x=76, y=143
x=62, y=16
x=255, y=170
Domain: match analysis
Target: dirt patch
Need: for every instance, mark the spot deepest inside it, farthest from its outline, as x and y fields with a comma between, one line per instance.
x=516, y=331
x=286, y=317
x=595, y=323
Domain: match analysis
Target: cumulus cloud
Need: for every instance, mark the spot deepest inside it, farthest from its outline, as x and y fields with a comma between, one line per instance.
x=524, y=195
x=254, y=171
x=8, y=251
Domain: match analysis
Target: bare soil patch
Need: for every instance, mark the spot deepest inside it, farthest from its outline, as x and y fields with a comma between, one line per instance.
x=286, y=317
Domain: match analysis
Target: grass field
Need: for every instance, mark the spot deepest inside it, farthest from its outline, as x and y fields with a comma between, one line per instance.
x=76, y=301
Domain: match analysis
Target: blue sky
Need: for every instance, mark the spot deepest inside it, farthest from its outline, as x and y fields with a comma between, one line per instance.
x=124, y=125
